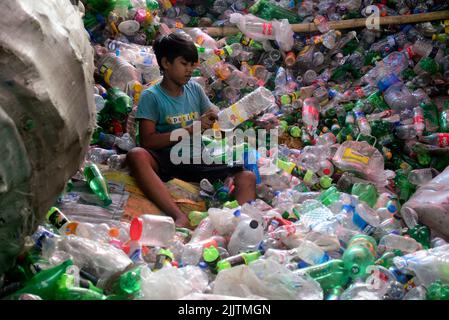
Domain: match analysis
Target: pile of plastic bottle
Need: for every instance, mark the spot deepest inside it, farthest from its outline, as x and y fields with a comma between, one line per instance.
x=363, y=121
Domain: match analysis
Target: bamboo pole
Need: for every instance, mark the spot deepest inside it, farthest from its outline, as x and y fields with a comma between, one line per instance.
x=343, y=24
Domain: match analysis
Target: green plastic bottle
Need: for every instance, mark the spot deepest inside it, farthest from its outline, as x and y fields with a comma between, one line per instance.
x=97, y=183
x=360, y=253
x=45, y=283
x=118, y=103
x=444, y=117
x=330, y=275
x=128, y=285
x=66, y=290
x=366, y=192
x=329, y=196
x=386, y=260
x=421, y=234
x=438, y=291
x=430, y=117
x=268, y=11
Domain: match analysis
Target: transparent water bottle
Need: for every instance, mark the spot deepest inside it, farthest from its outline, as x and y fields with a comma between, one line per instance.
x=246, y=237
x=152, y=230
x=247, y=107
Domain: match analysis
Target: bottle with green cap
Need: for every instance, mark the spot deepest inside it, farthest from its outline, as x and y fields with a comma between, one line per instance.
x=325, y=182
x=97, y=183
x=211, y=255
x=195, y=217
x=164, y=257
x=294, y=131
x=242, y=258
x=360, y=253
x=128, y=285
x=330, y=275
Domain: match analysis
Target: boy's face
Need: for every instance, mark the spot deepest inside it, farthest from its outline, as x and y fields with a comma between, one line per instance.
x=179, y=71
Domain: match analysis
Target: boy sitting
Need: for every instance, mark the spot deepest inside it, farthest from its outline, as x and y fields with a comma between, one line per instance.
x=176, y=102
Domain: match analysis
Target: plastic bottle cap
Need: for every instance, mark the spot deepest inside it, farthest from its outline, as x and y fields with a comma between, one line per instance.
x=254, y=224
x=325, y=182
x=210, y=254
x=114, y=232
x=136, y=228
x=237, y=213
x=203, y=265
x=392, y=208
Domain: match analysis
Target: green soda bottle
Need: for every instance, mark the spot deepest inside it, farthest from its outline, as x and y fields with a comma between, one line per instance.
x=438, y=291
x=44, y=284
x=430, y=117
x=128, y=285
x=444, y=118
x=359, y=254
x=366, y=192
x=118, y=102
x=66, y=290
x=97, y=183
x=330, y=275
x=329, y=196
x=421, y=234
x=268, y=11
x=195, y=217
x=386, y=260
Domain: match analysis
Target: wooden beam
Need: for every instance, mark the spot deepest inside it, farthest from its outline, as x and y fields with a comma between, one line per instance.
x=342, y=24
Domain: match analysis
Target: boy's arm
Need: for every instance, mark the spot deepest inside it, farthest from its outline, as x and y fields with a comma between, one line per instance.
x=150, y=139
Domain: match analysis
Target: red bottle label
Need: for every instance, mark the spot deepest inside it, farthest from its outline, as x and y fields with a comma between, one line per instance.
x=443, y=139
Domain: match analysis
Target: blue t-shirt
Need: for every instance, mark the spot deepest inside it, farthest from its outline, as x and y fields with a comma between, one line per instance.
x=172, y=113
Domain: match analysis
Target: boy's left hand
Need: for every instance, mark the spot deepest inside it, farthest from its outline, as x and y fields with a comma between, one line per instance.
x=208, y=118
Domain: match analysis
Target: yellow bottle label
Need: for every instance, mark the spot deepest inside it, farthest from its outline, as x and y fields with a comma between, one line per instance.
x=352, y=156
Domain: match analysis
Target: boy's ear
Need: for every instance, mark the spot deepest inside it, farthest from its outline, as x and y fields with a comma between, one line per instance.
x=164, y=62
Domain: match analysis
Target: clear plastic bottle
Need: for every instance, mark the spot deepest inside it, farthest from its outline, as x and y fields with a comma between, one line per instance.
x=117, y=72
x=202, y=38
x=395, y=242
x=247, y=107
x=99, y=155
x=125, y=142
x=310, y=114
x=362, y=122
x=420, y=177
x=152, y=230
x=246, y=237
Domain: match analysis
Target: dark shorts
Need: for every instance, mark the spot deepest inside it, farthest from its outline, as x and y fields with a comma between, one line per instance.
x=191, y=172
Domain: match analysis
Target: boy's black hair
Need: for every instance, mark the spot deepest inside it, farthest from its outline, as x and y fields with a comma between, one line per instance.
x=172, y=46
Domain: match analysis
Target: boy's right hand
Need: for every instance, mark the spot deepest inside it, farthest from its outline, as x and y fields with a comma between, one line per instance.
x=208, y=118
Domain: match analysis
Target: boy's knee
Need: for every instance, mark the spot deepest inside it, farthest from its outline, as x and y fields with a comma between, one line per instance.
x=136, y=155
x=247, y=178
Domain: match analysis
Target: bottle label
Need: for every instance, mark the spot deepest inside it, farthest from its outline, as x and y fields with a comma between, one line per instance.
x=106, y=72
x=362, y=224
x=267, y=29
x=353, y=156
x=235, y=116
x=443, y=139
